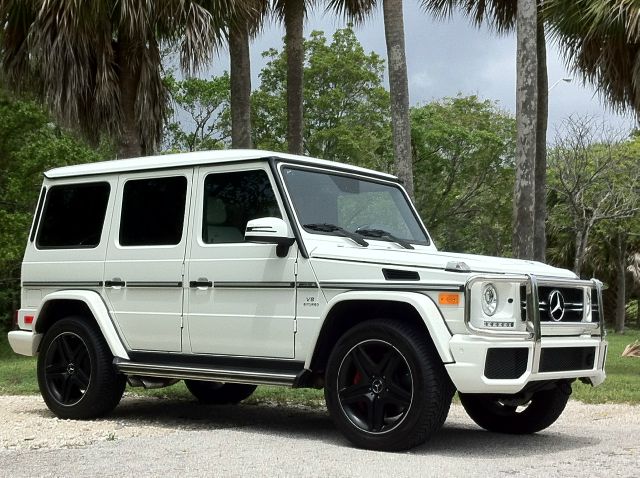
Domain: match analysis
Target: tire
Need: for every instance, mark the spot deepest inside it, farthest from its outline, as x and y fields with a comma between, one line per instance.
x=217, y=393
x=385, y=386
x=76, y=376
x=505, y=415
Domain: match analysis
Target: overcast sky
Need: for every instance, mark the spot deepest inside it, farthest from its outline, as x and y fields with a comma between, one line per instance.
x=445, y=58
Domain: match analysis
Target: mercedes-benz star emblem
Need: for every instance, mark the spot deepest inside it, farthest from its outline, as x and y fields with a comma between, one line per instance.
x=556, y=306
x=377, y=385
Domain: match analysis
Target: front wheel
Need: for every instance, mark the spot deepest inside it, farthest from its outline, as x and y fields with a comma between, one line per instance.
x=217, y=393
x=517, y=415
x=386, y=388
x=76, y=376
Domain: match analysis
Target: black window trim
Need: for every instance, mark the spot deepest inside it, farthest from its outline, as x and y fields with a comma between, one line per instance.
x=38, y=213
x=281, y=164
x=43, y=214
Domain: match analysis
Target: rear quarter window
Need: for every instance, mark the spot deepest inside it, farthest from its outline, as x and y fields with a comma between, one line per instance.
x=73, y=216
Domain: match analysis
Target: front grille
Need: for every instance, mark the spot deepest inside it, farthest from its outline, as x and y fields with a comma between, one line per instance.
x=572, y=300
x=506, y=363
x=564, y=359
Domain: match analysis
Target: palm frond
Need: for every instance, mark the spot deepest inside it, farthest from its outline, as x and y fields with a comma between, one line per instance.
x=353, y=10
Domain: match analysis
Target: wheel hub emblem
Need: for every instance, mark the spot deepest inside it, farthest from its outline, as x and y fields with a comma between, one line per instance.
x=377, y=386
x=71, y=369
x=556, y=306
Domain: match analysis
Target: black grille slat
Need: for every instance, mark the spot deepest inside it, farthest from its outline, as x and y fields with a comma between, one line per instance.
x=573, y=301
x=506, y=363
x=565, y=359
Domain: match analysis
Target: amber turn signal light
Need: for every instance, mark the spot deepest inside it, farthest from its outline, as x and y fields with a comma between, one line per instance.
x=448, y=298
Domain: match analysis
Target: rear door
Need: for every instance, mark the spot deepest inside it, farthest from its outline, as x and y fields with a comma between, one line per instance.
x=145, y=258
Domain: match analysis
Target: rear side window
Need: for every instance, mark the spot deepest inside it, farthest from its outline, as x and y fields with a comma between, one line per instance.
x=73, y=216
x=153, y=211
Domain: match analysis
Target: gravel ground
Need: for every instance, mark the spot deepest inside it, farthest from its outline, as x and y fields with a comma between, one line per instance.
x=153, y=437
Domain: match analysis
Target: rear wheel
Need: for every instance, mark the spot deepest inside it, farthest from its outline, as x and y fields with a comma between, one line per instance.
x=76, y=376
x=217, y=393
x=386, y=388
x=517, y=415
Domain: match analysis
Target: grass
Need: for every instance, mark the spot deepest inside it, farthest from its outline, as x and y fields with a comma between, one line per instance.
x=18, y=377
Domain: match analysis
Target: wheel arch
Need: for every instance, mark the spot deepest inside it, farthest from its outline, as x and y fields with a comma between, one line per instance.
x=85, y=303
x=351, y=308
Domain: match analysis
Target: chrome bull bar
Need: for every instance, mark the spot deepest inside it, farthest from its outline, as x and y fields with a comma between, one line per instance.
x=533, y=330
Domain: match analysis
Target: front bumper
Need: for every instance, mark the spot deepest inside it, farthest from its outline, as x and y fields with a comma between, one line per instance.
x=469, y=371
x=24, y=342
x=505, y=361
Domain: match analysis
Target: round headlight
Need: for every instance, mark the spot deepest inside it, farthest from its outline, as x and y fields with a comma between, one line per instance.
x=489, y=299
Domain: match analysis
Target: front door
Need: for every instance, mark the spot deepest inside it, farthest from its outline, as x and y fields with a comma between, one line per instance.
x=145, y=258
x=241, y=296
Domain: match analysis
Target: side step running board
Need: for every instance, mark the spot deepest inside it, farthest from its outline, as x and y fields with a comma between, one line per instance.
x=203, y=372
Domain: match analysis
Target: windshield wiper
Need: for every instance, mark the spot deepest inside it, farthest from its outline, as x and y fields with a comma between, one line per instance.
x=342, y=232
x=382, y=234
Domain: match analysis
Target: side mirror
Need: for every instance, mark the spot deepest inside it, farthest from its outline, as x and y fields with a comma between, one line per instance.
x=270, y=230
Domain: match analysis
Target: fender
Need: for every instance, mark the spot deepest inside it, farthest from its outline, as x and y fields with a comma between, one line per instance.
x=423, y=304
x=96, y=305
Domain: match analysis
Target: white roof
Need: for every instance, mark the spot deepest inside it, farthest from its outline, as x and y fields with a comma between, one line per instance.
x=194, y=159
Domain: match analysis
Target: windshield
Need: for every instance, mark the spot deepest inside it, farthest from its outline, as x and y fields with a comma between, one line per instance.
x=327, y=203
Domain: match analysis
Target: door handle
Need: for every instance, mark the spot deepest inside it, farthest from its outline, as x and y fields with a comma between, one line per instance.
x=201, y=283
x=116, y=283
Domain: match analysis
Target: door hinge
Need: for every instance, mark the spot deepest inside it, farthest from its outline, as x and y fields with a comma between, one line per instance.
x=295, y=268
x=295, y=326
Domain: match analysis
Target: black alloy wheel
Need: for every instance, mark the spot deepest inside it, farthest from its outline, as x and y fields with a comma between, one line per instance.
x=385, y=385
x=375, y=387
x=67, y=368
x=76, y=375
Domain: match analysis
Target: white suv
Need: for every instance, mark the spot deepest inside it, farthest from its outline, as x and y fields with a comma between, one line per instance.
x=230, y=269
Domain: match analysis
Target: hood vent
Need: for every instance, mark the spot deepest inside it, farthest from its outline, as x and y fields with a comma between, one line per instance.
x=397, y=274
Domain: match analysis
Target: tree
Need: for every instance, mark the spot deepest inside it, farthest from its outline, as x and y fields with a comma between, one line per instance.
x=601, y=43
x=594, y=179
x=501, y=16
x=206, y=104
x=292, y=13
x=241, y=28
x=526, y=120
x=358, y=10
x=464, y=153
x=30, y=143
x=346, y=106
x=97, y=64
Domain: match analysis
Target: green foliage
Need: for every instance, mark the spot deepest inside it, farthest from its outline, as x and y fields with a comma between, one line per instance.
x=200, y=114
x=345, y=104
x=29, y=144
x=464, y=151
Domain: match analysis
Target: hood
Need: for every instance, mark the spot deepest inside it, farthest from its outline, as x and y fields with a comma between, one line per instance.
x=433, y=259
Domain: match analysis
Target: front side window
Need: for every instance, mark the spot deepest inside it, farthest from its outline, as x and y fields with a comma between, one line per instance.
x=73, y=216
x=153, y=211
x=334, y=203
x=233, y=199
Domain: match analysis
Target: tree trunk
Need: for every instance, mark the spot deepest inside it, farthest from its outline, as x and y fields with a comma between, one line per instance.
x=581, y=247
x=129, y=142
x=294, y=26
x=526, y=120
x=240, y=66
x=399, y=91
x=540, y=214
x=621, y=250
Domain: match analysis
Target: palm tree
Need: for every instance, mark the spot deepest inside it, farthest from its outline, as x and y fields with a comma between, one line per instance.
x=601, y=43
x=358, y=10
x=242, y=27
x=292, y=13
x=501, y=15
x=97, y=64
